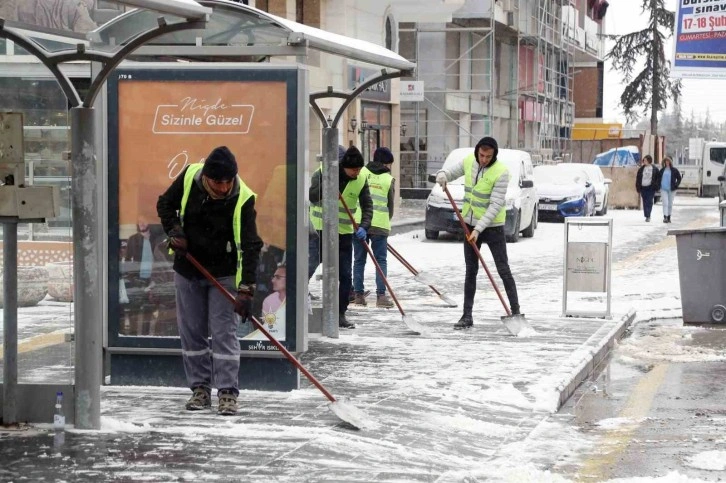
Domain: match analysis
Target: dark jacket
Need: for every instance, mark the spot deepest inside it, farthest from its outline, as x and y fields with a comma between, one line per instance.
x=315, y=195
x=675, y=178
x=208, y=229
x=655, y=182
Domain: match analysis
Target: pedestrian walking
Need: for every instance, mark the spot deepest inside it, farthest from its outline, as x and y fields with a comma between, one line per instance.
x=209, y=212
x=382, y=189
x=670, y=179
x=354, y=189
x=646, y=184
x=484, y=211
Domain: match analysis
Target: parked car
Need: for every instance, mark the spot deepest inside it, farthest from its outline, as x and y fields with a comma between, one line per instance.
x=521, y=198
x=599, y=182
x=563, y=192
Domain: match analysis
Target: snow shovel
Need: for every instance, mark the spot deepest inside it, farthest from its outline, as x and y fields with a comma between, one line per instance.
x=420, y=277
x=412, y=325
x=514, y=323
x=340, y=407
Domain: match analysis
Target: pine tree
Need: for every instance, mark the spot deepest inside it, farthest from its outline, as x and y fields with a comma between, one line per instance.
x=651, y=87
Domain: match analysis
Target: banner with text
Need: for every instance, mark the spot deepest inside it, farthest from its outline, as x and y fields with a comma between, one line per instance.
x=699, y=47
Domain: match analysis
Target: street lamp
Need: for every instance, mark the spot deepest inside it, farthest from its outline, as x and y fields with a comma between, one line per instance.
x=353, y=124
x=403, y=129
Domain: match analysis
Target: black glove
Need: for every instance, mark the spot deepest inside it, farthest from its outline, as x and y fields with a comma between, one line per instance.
x=178, y=240
x=243, y=300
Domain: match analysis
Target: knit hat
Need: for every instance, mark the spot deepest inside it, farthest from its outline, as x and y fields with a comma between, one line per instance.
x=352, y=158
x=220, y=164
x=383, y=156
x=341, y=152
x=487, y=141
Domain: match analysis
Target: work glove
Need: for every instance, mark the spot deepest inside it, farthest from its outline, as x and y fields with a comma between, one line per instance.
x=473, y=236
x=361, y=233
x=243, y=300
x=178, y=240
x=441, y=179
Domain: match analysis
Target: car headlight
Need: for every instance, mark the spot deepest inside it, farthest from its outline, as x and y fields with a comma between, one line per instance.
x=573, y=198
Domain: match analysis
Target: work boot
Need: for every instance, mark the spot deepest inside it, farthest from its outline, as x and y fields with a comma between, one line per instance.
x=343, y=322
x=464, y=322
x=383, y=301
x=647, y=218
x=201, y=399
x=360, y=299
x=669, y=218
x=227, y=405
x=665, y=219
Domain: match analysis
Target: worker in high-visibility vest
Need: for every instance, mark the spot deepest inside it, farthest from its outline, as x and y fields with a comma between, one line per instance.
x=209, y=212
x=354, y=189
x=382, y=187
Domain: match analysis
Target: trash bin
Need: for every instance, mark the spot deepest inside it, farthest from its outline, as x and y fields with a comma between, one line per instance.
x=722, y=207
x=702, y=274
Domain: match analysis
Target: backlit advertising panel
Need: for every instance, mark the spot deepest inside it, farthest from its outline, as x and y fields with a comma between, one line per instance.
x=164, y=119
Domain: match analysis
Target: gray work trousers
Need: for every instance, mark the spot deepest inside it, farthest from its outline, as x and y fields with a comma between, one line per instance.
x=202, y=312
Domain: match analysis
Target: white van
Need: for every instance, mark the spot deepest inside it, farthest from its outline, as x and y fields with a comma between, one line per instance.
x=521, y=199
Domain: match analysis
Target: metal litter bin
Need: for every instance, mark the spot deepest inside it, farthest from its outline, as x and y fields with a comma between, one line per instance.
x=702, y=274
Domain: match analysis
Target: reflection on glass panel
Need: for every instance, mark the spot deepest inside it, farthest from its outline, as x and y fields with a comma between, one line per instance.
x=44, y=249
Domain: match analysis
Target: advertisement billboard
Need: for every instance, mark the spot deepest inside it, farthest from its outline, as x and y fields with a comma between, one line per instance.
x=161, y=120
x=699, y=47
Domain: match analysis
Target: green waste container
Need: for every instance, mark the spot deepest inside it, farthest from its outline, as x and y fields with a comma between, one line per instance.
x=702, y=274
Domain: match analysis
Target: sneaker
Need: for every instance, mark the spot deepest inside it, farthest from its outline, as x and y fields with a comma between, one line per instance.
x=343, y=322
x=359, y=299
x=227, y=405
x=201, y=399
x=464, y=322
x=384, y=301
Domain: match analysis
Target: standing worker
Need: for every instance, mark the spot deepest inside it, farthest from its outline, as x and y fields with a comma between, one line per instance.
x=670, y=179
x=485, y=184
x=646, y=184
x=209, y=212
x=354, y=189
x=382, y=188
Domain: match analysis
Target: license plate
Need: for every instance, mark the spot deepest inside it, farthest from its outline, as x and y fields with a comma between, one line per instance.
x=547, y=206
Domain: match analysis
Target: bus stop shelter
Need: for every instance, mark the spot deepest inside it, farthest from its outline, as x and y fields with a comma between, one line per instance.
x=185, y=37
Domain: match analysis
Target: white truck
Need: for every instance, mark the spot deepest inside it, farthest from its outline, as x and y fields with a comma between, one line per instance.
x=702, y=176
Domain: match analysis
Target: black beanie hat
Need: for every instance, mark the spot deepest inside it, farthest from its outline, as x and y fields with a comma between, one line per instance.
x=352, y=158
x=383, y=156
x=486, y=141
x=220, y=164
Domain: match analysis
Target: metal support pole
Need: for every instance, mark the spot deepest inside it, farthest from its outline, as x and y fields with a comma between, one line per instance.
x=87, y=294
x=10, y=322
x=329, y=241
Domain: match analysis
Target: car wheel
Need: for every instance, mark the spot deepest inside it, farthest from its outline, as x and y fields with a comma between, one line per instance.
x=514, y=237
x=604, y=207
x=431, y=234
x=529, y=231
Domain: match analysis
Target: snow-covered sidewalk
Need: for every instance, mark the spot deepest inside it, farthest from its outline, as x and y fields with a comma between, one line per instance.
x=448, y=405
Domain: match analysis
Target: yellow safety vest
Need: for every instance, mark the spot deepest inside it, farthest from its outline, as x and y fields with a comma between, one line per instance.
x=350, y=195
x=244, y=194
x=476, y=197
x=379, y=186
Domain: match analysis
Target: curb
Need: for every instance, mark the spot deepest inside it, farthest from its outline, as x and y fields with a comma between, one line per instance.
x=590, y=354
x=404, y=226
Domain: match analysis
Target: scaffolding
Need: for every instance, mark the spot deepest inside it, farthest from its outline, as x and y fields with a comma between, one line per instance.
x=502, y=69
x=546, y=39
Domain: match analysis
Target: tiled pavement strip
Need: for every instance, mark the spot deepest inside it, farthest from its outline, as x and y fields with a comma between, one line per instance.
x=447, y=404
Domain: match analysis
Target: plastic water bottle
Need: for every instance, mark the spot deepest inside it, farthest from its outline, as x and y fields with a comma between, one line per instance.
x=59, y=417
